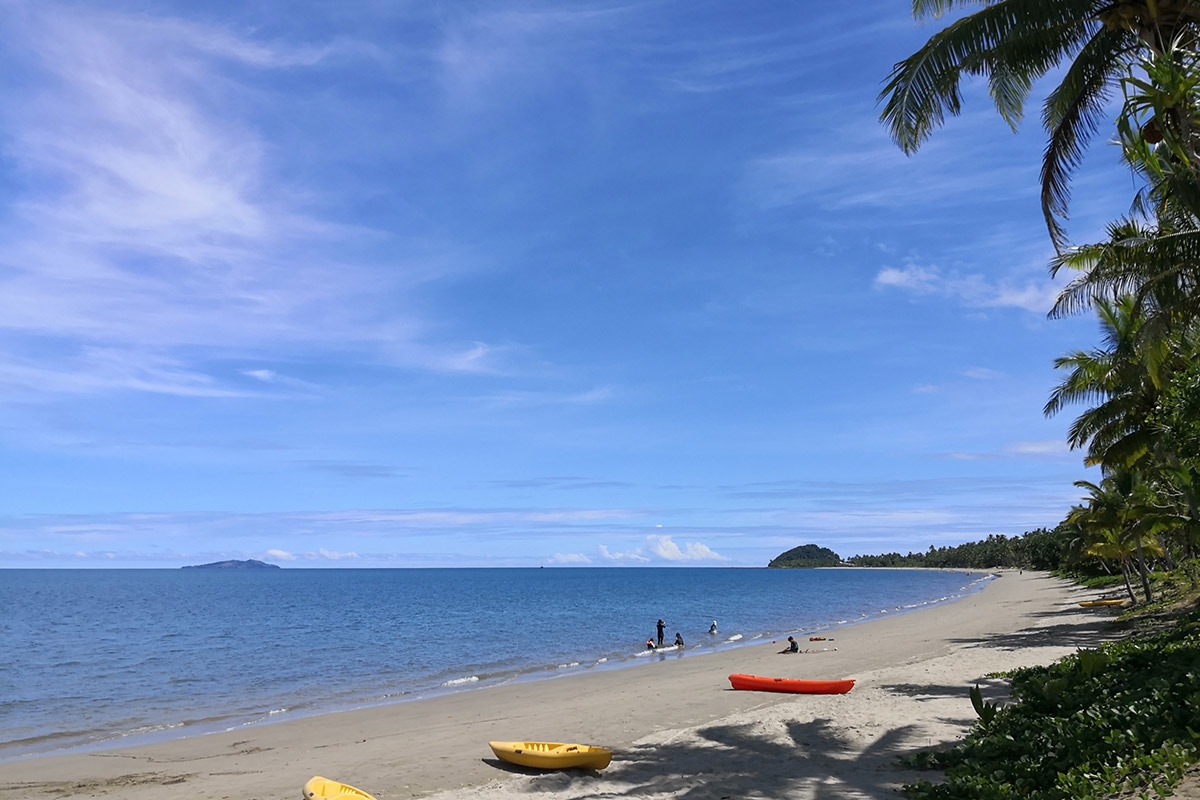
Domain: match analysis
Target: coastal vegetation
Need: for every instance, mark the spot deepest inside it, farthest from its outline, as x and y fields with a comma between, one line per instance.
x=1126, y=716
x=806, y=555
x=1040, y=549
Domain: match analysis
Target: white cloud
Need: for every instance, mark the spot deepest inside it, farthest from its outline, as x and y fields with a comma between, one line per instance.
x=915, y=279
x=1052, y=447
x=331, y=555
x=629, y=556
x=569, y=558
x=281, y=555
x=666, y=549
x=982, y=374
x=972, y=290
x=663, y=548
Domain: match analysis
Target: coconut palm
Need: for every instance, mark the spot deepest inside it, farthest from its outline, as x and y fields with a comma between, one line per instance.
x=1013, y=43
x=1121, y=382
x=1157, y=262
x=1118, y=516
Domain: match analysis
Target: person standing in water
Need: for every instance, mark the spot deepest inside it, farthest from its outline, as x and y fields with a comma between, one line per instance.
x=661, y=627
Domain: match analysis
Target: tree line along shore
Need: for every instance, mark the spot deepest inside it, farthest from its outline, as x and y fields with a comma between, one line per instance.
x=1125, y=717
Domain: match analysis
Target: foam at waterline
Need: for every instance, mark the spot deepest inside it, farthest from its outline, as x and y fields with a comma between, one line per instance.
x=461, y=681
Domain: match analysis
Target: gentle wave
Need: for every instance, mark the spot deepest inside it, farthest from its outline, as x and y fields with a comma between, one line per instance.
x=460, y=681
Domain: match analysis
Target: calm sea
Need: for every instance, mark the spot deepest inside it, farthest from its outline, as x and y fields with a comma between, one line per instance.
x=103, y=658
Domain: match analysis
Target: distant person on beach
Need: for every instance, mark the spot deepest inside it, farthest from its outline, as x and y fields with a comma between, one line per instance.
x=793, y=646
x=678, y=640
x=712, y=629
x=661, y=627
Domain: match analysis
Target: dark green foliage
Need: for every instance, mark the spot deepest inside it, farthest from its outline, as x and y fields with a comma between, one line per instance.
x=1125, y=717
x=985, y=710
x=806, y=555
x=1040, y=549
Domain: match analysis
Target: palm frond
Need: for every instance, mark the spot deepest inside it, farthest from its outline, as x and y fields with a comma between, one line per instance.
x=1014, y=42
x=1072, y=114
x=926, y=9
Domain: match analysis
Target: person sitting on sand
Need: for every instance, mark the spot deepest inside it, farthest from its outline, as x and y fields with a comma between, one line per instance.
x=793, y=646
x=678, y=640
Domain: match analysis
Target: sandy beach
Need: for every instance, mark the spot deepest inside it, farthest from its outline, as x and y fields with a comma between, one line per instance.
x=676, y=726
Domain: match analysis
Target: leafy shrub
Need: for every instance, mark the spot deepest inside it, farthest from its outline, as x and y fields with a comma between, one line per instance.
x=1125, y=717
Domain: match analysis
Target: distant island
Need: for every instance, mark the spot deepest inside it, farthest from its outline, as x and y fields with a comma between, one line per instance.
x=806, y=555
x=248, y=564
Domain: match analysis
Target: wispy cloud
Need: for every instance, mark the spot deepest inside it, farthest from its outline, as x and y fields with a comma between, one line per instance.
x=971, y=289
x=156, y=224
x=329, y=555
x=492, y=57
x=569, y=558
x=1052, y=447
x=982, y=374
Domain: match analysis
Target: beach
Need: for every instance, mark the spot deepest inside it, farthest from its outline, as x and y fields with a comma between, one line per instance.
x=676, y=727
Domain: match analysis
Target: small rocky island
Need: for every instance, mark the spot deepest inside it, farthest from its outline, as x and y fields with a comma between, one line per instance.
x=248, y=564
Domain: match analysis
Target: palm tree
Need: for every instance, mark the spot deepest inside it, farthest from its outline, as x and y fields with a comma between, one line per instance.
x=1116, y=517
x=1123, y=384
x=1157, y=262
x=1013, y=43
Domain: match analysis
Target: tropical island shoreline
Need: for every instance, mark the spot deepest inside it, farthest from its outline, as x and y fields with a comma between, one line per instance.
x=675, y=724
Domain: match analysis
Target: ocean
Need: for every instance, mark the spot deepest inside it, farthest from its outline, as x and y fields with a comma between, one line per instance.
x=108, y=658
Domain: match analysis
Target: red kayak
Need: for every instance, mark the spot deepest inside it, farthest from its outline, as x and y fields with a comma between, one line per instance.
x=758, y=683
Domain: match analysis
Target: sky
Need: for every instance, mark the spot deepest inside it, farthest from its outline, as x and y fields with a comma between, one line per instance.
x=450, y=284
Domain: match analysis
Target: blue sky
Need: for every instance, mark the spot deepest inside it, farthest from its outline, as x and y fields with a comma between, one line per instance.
x=464, y=284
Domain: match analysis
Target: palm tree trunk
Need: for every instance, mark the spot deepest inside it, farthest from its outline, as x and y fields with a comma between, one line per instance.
x=1128, y=585
x=1142, y=571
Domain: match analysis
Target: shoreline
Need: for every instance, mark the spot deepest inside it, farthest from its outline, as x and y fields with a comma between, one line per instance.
x=218, y=719
x=673, y=717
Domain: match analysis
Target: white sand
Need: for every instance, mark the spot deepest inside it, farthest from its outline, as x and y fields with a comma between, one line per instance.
x=678, y=729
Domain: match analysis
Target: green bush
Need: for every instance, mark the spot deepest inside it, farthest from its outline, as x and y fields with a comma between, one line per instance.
x=1122, y=718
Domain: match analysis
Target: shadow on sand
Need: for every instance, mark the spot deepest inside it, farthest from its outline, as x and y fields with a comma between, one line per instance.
x=815, y=759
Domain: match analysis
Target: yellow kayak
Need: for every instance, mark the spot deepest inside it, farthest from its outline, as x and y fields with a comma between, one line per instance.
x=319, y=788
x=1097, y=603
x=552, y=755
